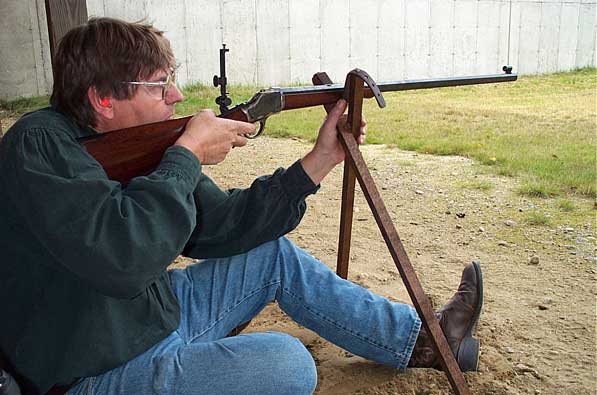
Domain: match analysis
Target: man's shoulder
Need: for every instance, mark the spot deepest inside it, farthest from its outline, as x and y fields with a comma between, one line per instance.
x=44, y=119
x=39, y=131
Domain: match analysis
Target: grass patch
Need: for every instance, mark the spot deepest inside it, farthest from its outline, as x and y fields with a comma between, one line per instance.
x=566, y=205
x=17, y=107
x=537, y=218
x=538, y=189
x=480, y=185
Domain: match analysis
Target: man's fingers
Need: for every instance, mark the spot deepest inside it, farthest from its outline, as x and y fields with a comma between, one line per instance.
x=239, y=141
x=245, y=128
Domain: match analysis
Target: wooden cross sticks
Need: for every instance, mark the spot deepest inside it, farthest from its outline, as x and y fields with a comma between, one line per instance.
x=356, y=168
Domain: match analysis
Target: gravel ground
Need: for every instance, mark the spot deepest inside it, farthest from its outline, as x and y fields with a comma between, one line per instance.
x=537, y=329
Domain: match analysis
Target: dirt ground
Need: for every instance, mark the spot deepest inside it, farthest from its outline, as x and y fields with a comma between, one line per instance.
x=537, y=328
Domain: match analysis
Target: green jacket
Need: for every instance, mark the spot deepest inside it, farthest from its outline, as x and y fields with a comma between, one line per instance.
x=83, y=259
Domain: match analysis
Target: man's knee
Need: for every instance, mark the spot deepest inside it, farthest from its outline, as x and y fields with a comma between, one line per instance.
x=292, y=368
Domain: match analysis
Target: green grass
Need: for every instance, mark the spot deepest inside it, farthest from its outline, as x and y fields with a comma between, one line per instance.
x=566, y=205
x=480, y=185
x=537, y=218
x=541, y=129
x=17, y=107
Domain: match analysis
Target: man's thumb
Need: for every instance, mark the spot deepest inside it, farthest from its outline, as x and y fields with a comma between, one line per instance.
x=336, y=112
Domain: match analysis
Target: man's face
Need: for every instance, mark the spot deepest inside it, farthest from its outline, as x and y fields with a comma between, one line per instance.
x=147, y=105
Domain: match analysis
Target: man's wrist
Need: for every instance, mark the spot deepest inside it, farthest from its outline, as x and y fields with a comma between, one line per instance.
x=195, y=150
x=317, y=165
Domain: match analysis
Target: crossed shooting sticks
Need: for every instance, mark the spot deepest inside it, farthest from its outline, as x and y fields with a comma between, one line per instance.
x=356, y=168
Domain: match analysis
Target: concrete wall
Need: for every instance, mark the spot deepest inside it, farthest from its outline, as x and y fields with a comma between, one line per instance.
x=276, y=42
x=25, y=68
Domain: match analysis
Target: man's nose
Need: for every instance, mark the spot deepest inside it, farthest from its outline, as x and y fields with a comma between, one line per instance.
x=173, y=94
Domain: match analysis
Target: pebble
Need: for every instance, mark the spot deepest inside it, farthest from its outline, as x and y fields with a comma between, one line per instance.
x=419, y=192
x=568, y=230
x=502, y=243
x=458, y=226
x=522, y=368
x=534, y=260
x=547, y=300
x=460, y=215
x=509, y=350
x=510, y=223
x=481, y=229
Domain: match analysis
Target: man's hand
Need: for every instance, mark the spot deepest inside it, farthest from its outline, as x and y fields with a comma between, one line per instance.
x=211, y=138
x=328, y=151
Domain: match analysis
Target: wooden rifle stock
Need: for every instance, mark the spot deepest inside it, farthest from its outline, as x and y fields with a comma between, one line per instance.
x=136, y=151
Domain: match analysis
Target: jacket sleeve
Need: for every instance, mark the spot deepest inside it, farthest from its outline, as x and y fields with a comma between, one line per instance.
x=117, y=239
x=235, y=221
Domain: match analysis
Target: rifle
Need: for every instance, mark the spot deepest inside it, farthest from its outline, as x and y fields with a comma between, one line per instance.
x=135, y=151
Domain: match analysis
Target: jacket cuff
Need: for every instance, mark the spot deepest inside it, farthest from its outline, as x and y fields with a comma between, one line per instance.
x=181, y=163
x=297, y=183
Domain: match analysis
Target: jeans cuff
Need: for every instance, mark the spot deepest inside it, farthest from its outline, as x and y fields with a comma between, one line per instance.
x=410, y=344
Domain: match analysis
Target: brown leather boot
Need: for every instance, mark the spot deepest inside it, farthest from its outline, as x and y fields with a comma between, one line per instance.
x=458, y=319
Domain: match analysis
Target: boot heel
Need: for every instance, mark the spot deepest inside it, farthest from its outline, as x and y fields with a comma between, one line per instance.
x=468, y=354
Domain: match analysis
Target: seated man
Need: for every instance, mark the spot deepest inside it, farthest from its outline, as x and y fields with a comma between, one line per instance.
x=91, y=307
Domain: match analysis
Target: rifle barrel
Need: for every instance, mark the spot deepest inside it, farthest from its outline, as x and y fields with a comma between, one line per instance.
x=405, y=85
x=309, y=96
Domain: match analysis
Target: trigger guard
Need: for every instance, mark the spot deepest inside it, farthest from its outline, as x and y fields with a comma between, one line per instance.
x=259, y=131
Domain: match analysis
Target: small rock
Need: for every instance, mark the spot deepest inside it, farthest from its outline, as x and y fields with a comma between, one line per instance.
x=419, y=192
x=414, y=223
x=481, y=229
x=361, y=276
x=568, y=229
x=458, y=226
x=547, y=300
x=460, y=215
x=502, y=243
x=542, y=306
x=522, y=368
x=534, y=260
x=510, y=223
x=509, y=350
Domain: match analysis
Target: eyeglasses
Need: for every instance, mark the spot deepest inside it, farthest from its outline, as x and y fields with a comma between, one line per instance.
x=157, y=89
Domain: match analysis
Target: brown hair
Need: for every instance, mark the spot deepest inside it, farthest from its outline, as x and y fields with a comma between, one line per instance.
x=102, y=53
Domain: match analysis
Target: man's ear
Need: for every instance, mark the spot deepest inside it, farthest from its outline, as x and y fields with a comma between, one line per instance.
x=101, y=105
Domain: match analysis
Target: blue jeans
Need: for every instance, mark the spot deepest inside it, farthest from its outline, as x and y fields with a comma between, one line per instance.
x=216, y=295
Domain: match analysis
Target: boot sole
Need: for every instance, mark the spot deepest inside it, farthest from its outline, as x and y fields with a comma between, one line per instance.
x=468, y=352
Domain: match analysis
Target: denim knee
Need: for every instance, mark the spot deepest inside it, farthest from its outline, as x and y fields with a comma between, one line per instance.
x=295, y=372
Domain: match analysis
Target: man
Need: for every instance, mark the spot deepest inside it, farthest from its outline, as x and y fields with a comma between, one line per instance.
x=92, y=307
